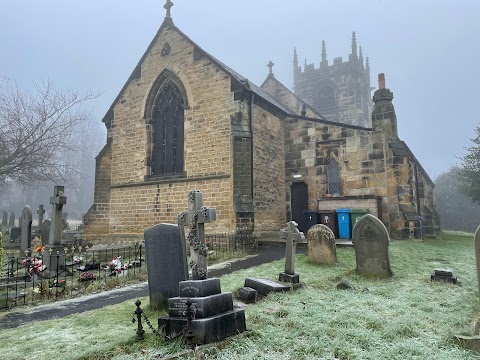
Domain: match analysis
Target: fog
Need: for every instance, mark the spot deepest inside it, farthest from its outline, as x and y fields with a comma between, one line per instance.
x=427, y=49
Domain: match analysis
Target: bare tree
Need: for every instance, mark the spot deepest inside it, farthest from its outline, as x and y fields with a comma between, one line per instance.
x=37, y=132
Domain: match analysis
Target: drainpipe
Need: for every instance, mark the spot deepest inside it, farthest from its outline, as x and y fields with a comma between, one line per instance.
x=251, y=142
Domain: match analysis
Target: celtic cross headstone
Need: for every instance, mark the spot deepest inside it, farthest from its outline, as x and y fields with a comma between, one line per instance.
x=196, y=217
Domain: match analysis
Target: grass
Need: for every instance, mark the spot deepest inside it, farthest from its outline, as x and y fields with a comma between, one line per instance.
x=405, y=317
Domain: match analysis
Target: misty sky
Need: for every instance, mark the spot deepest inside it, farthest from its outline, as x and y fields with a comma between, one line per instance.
x=426, y=48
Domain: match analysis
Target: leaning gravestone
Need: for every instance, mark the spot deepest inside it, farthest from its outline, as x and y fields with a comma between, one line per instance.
x=166, y=262
x=321, y=245
x=26, y=225
x=45, y=231
x=370, y=240
x=477, y=255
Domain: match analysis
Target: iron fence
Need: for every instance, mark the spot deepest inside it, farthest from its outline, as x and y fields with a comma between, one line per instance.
x=27, y=280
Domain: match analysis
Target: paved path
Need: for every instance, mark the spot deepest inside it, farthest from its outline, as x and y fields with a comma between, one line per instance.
x=64, y=308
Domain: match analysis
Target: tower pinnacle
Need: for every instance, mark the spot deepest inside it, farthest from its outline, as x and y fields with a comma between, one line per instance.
x=324, y=52
x=167, y=7
x=367, y=64
x=354, y=44
x=360, y=55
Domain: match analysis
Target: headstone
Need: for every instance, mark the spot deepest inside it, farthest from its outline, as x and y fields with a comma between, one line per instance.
x=264, y=286
x=196, y=218
x=215, y=317
x=11, y=221
x=166, y=262
x=40, y=213
x=45, y=231
x=15, y=233
x=321, y=245
x=292, y=236
x=444, y=275
x=5, y=219
x=54, y=257
x=247, y=295
x=370, y=240
x=26, y=225
x=477, y=255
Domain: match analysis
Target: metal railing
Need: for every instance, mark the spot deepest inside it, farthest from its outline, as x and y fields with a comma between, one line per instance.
x=27, y=280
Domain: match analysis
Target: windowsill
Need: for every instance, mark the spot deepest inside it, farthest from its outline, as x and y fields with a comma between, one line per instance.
x=181, y=175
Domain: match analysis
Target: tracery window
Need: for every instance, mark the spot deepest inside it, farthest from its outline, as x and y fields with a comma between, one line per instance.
x=168, y=130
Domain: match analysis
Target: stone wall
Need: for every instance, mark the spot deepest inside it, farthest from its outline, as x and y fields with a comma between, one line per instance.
x=269, y=172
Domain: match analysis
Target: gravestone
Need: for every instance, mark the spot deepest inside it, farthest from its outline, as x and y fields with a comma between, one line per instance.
x=215, y=316
x=5, y=219
x=371, y=240
x=11, y=220
x=477, y=255
x=321, y=245
x=54, y=255
x=26, y=226
x=196, y=217
x=292, y=236
x=45, y=231
x=166, y=262
x=40, y=213
x=15, y=233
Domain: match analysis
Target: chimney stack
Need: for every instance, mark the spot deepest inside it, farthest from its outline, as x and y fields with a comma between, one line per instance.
x=381, y=81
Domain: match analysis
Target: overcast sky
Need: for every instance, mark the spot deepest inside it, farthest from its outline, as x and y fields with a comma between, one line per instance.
x=426, y=48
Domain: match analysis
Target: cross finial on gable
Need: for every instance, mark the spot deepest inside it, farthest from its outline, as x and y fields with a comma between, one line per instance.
x=270, y=66
x=168, y=6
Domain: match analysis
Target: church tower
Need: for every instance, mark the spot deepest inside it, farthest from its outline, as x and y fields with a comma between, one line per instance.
x=339, y=91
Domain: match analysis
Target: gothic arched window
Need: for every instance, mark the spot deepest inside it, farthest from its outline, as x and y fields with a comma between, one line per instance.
x=333, y=177
x=167, y=130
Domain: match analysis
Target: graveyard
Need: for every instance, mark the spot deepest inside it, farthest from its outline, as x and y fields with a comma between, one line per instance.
x=405, y=315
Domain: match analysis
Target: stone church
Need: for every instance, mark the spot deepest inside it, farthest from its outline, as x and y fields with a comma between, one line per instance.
x=260, y=155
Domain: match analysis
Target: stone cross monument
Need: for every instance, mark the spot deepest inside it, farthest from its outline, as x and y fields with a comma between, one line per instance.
x=40, y=213
x=292, y=236
x=54, y=256
x=196, y=218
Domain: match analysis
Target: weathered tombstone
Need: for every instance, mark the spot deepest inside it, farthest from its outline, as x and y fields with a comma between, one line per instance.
x=26, y=225
x=5, y=219
x=40, y=213
x=370, y=240
x=11, y=220
x=166, y=262
x=54, y=256
x=196, y=217
x=292, y=236
x=321, y=245
x=45, y=231
x=477, y=255
x=15, y=233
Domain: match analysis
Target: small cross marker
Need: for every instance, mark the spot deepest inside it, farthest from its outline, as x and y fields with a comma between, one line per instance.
x=168, y=6
x=270, y=66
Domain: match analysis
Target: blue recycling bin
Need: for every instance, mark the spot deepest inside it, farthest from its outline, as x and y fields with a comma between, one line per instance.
x=343, y=220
